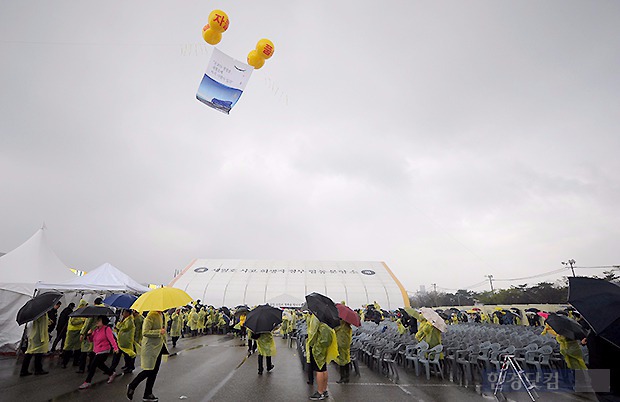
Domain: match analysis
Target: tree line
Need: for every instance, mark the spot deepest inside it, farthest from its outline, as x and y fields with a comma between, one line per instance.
x=541, y=293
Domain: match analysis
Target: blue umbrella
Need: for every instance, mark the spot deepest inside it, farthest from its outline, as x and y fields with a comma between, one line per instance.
x=122, y=300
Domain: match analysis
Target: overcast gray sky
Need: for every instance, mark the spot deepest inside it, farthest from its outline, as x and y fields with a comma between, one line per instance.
x=449, y=139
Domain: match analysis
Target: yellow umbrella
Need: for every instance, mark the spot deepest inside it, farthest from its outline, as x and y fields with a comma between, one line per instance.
x=161, y=299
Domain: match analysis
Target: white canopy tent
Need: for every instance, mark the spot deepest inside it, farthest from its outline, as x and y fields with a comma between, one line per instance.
x=20, y=270
x=105, y=278
x=286, y=283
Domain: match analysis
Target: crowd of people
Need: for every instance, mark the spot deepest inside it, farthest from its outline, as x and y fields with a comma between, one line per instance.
x=88, y=342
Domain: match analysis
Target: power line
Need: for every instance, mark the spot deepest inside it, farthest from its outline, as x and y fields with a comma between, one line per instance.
x=531, y=277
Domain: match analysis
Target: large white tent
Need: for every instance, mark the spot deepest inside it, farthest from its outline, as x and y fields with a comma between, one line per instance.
x=285, y=283
x=20, y=270
x=105, y=278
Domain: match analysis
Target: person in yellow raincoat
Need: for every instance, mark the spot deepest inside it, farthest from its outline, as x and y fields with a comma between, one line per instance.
x=73, y=344
x=87, y=345
x=125, y=332
x=430, y=335
x=421, y=334
x=138, y=321
x=177, y=325
x=202, y=318
x=321, y=349
x=344, y=334
x=153, y=347
x=193, y=321
x=266, y=347
x=38, y=344
x=570, y=349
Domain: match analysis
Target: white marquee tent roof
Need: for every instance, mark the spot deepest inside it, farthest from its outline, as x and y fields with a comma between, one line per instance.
x=106, y=277
x=29, y=263
x=285, y=283
x=20, y=270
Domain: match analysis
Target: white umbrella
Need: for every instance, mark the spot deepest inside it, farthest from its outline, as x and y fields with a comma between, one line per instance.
x=434, y=318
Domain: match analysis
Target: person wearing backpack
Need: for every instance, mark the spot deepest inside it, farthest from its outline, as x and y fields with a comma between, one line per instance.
x=104, y=343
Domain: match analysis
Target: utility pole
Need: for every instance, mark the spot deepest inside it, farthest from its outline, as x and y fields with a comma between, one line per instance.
x=434, y=285
x=490, y=281
x=570, y=262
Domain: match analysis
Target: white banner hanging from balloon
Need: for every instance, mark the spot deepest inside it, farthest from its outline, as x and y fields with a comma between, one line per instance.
x=223, y=82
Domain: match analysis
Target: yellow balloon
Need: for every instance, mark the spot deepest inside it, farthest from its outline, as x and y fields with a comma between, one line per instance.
x=265, y=48
x=211, y=37
x=255, y=60
x=218, y=20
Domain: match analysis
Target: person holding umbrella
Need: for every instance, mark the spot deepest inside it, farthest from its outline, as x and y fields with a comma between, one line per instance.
x=154, y=335
x=72, y=344
x=266, y=347
x=153, y=347
x=87, y=345
x=321, y=348
x=568, y=333
x=103, y=342
x=344, y=335
x=38, y=344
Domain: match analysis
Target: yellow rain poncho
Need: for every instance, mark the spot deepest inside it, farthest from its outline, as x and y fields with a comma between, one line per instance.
x=138, y=321
x=240, y=323
x=266, y=344
x=202, y=315
x=321, y=342
x=573, y=356
x=344, y=334
x=400, y=327
x=177, y=324
x=125, y=331
x=74, y=326
x=38, y=339
x=421, y=334
x=193, y=320
x=429, y=334
x=152, y=339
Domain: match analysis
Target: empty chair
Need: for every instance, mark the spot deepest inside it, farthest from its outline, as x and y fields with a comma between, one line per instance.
x=388, y=363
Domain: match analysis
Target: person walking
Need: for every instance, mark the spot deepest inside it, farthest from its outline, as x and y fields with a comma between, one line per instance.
x=321, y=349
x=153, y=347
x=72, y=343
x=266, y=347
x=38, y=344
x=104, y=343
x=175, y=328
x=138, y=321
x=344, y=335
x=193, y=322
x=61, y=328
x=87, y=345
x=52, y=315
x=125, y=330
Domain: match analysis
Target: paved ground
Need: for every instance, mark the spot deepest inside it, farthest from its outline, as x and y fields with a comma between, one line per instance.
x=216, y=368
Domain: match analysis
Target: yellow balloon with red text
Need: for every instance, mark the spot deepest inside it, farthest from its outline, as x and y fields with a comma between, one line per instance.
x=265, y=48
x=218, y=21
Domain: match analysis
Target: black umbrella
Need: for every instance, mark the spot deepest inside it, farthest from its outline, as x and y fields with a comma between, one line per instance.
x=92, y=311
x=516, y=310
x=323, y=308
x=532, y=310
x=225, y=310
x=37, y=306
x=263, y=318
x=597, y=301
x=565, y=326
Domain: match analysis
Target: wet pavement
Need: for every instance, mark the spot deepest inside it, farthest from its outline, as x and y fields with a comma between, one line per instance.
x=217, y=368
